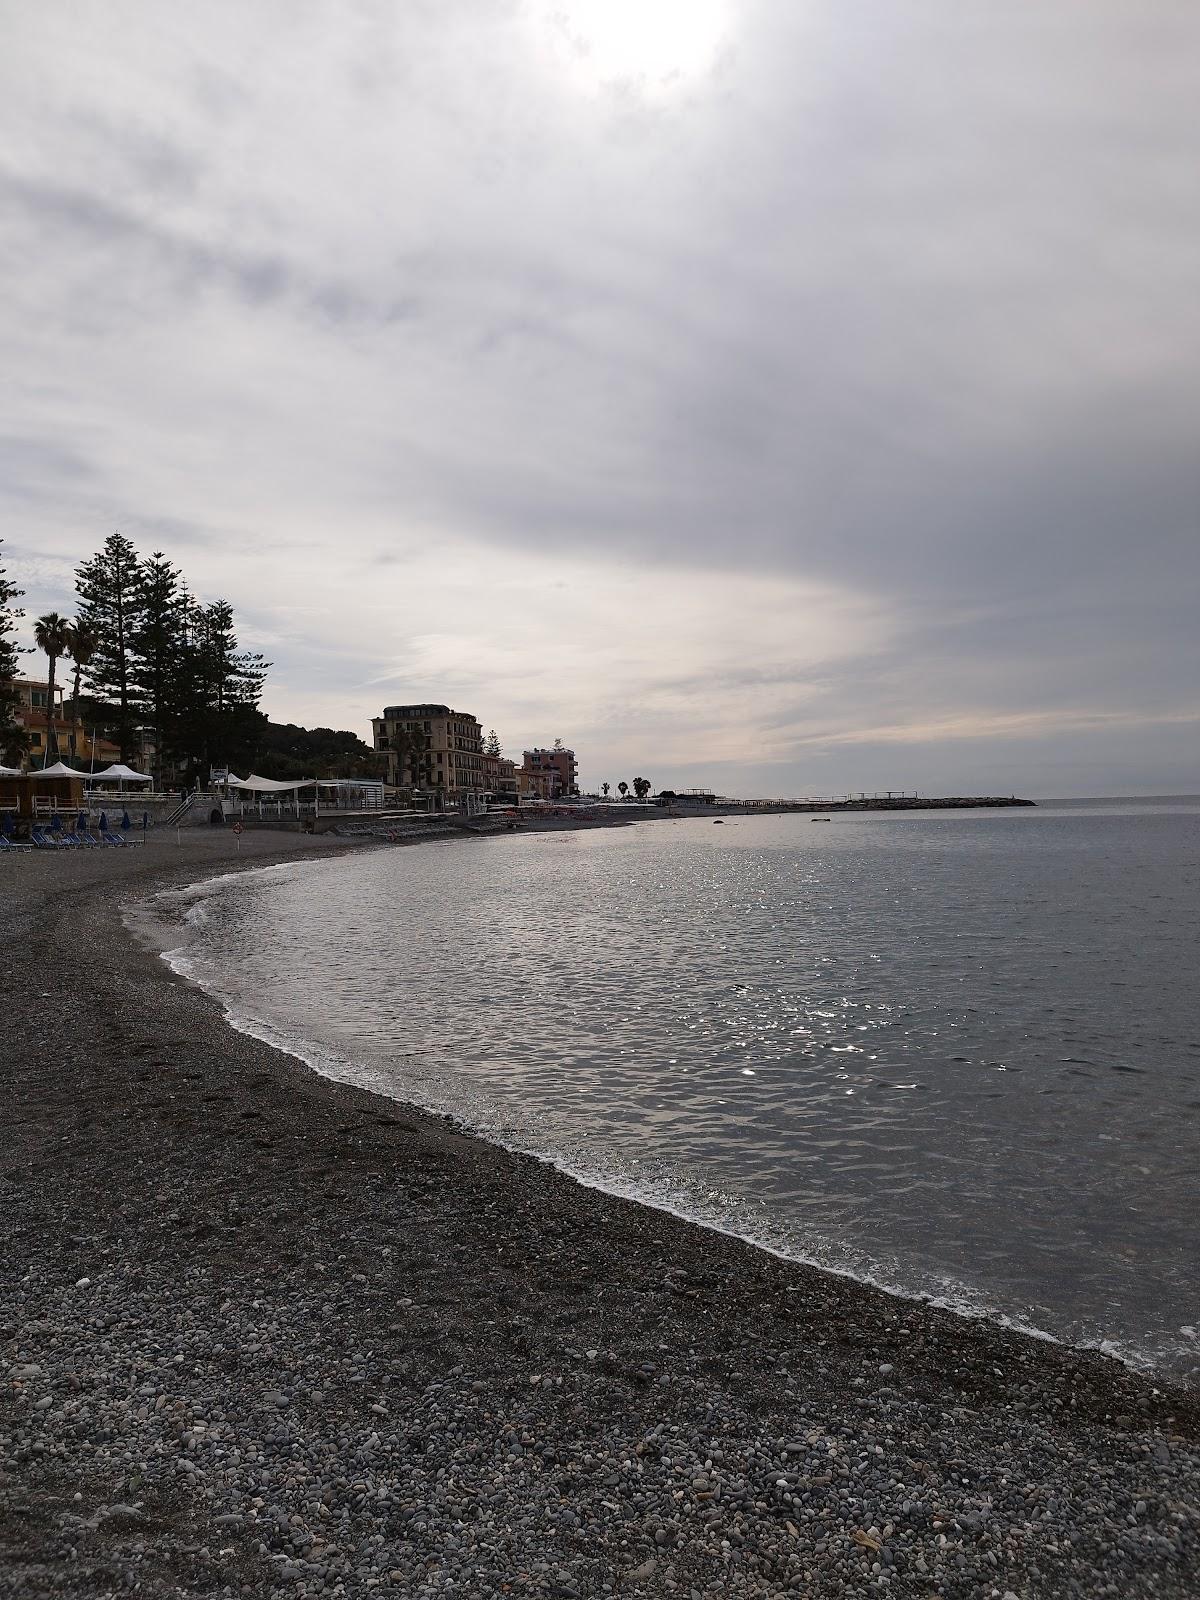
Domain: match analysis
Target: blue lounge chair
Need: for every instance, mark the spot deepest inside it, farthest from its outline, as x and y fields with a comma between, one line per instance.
x=10, y=847
x=82, y=834
x=40, y=839
x=123, y=836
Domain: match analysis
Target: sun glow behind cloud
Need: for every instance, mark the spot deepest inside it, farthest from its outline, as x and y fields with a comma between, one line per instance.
x=653, y=47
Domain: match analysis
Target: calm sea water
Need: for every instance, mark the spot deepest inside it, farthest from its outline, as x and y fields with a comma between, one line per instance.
x=955, y=1053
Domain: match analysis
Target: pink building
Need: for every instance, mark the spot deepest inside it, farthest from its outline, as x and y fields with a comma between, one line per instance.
x=552, y=772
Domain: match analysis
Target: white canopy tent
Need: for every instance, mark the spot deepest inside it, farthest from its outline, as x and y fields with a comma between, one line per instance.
x=268, y=785
x=256, y=789
x=322, y=792
x=11, y=772
x=119, y=773
x=58, y=770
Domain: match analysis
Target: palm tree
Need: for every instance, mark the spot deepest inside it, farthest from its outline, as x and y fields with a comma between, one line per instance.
x=81, y=647
x=623, y=787
x=604, y=788
x=51, y=634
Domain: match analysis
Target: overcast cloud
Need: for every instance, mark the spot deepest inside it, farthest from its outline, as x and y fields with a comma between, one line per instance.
x=792, y=397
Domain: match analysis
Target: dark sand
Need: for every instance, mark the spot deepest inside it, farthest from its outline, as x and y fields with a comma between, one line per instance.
x=264, y=1334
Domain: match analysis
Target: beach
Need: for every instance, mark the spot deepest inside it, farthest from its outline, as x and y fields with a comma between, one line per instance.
x=261, y=1333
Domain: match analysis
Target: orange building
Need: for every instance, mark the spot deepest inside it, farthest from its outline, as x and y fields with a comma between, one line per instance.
x=71, y=742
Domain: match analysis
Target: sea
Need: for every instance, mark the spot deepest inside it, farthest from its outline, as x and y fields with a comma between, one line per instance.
x=952, y=1053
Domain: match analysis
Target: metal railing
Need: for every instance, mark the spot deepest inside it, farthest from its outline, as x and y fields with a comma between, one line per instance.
x=174, y=818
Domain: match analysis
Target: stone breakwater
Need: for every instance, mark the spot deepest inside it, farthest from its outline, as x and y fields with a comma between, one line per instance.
x=261, y=1334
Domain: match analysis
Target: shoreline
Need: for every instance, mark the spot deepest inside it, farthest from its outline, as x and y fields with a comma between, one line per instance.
x=967, y=1303
x=364, y=1295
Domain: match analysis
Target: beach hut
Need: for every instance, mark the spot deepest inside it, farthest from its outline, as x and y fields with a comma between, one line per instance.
x=49, y=788
x=14, y=789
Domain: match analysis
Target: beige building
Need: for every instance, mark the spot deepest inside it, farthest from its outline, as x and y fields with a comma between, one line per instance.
x=533, y=785
x=500, y=779
x=434, y=750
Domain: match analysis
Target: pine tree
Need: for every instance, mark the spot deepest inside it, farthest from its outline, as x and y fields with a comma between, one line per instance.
x=237, y=676
x=156, y=650
x=110, y=604
x=13, y=739
x=193, y=694
x=219, y=723
x=491, y=745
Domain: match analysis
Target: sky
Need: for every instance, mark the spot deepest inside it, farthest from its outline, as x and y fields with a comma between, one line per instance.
x=793, y=399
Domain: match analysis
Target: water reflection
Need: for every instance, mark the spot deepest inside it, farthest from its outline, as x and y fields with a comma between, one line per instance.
x=947, y=1050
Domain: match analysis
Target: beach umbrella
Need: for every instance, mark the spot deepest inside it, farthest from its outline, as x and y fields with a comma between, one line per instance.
x=125, y=822
x=7, y=825
x=55, y=822
x=104, y=822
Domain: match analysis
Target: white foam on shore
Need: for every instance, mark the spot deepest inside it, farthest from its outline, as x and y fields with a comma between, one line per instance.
x=950, y=1295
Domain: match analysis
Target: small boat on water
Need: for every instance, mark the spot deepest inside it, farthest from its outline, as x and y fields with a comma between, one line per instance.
x=718, y=822
x=820, y=819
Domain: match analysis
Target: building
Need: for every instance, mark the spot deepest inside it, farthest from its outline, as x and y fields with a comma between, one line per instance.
x=554, y=771
x=500, y=779
x=435, y=751
x=534, y=785
x=72, y=742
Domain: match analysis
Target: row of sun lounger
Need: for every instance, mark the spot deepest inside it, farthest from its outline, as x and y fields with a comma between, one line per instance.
x=75, y=839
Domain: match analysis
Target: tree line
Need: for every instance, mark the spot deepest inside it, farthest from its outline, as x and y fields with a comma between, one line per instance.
x=148, y=657
x=641, y=788
x=11, y=741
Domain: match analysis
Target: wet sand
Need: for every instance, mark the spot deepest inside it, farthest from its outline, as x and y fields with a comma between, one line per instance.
x=261, y=1334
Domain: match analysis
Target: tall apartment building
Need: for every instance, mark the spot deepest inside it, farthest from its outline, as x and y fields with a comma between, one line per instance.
x=554, y=772
x=433, y=749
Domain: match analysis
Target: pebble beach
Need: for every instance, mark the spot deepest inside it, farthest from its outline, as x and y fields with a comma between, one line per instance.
x=264, y=1334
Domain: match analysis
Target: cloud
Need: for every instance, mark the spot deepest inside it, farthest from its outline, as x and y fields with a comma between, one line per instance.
x=885, y=316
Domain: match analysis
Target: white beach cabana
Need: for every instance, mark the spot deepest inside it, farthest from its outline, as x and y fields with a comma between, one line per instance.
x=10, y=772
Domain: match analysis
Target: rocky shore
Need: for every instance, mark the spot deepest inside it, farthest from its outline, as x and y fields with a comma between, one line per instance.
x=262, y=1334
